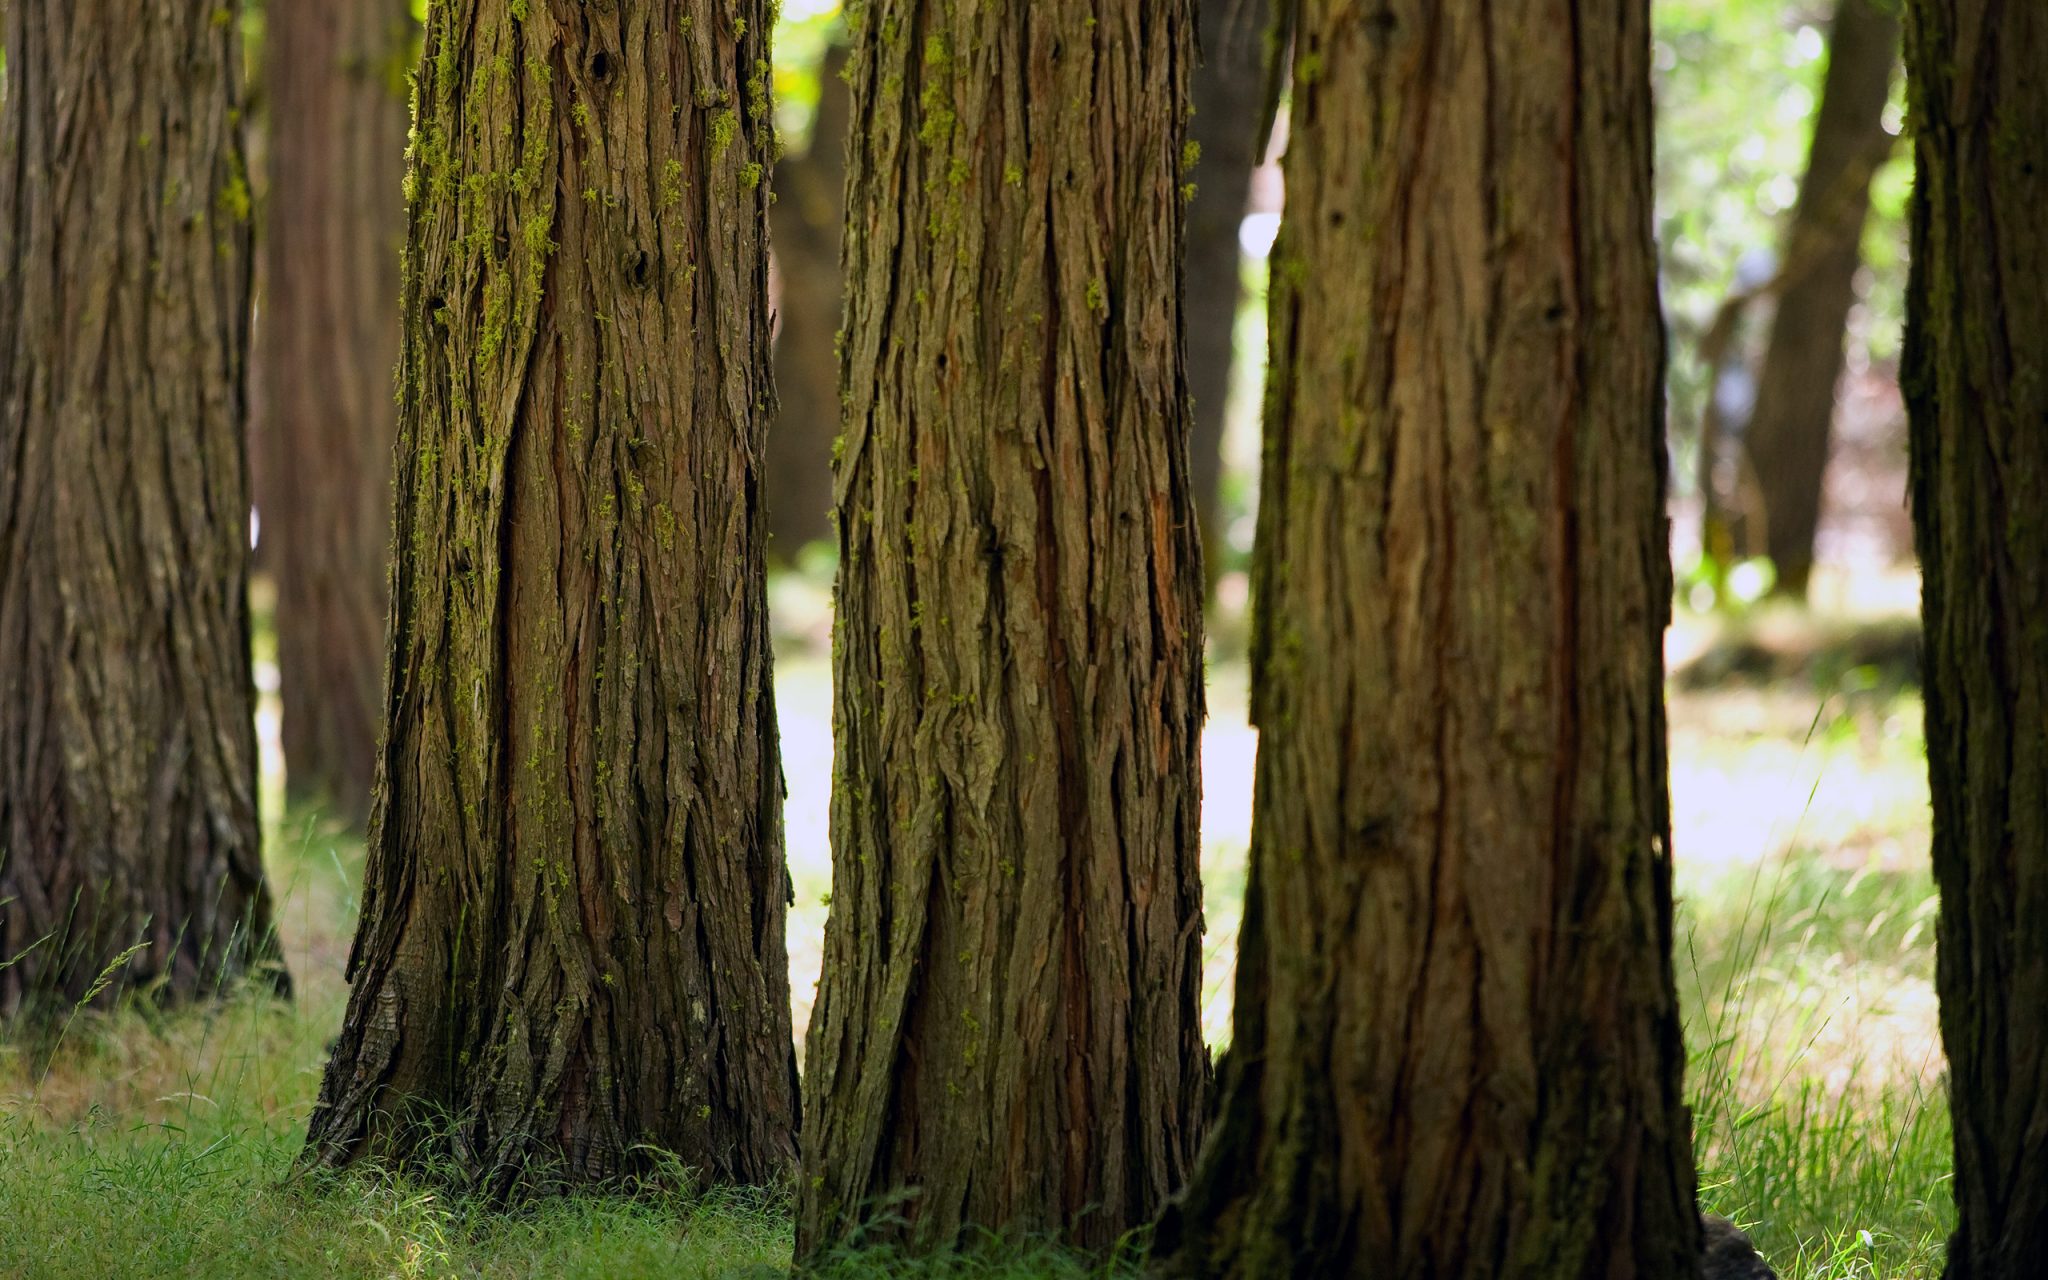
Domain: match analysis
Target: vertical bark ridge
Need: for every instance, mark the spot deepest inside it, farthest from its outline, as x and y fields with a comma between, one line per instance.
x=1976, y=325
x=572, y=942
x=1006, y=1034
x=127, y=742
x=1457, y=1049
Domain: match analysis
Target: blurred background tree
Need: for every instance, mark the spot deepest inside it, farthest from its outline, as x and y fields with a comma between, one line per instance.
x=1743, y=131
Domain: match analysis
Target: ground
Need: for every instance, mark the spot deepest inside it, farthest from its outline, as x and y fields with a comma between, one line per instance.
x=165, y=1146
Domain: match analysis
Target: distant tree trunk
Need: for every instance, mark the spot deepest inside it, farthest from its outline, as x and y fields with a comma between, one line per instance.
x=1976, y=330
x=805, y=222
x=1228, y=129
x=326, y=349
x=571, y=947
x=1788, y=434
x=1457, y=1046
x=127, y=738
x=1006, y=1035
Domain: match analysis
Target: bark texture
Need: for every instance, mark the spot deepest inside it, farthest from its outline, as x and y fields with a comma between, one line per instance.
x=1788, y=434
x=1229, y=132
x=1977, y=399
x=572, y=938
x=1456, y=1048
x=334, y=223
x=127, y=739
x=810, y=209
x=1006, y=1034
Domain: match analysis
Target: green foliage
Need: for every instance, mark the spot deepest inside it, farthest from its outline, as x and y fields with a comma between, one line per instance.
x=1836, y=1164
x=1807, y=979
x=804, y=30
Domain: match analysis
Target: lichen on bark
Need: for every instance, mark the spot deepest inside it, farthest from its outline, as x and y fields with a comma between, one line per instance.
x=571, y=955
x=1006, y=1034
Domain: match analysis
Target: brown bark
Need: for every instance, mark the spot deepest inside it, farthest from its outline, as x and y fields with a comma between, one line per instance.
x=571, y=948
x=1976, y=331
x=1006, y=1034
x=326, y=350
x=1229, y=130
x=1787, y=436
x=810, y=209
x=1456, y=1047
x=127, y=741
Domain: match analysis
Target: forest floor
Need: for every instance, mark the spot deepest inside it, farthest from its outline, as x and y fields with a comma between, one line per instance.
x=151, y=1145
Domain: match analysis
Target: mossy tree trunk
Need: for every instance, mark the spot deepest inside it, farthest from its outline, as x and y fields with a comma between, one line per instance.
x=1230, y=140
x=572, y=938
x=1456, y=1047
x=127, y=737
x=1006, y=1032
x=334, y=222
x=1976, y=339
x=810, y=210
x=1788, y=435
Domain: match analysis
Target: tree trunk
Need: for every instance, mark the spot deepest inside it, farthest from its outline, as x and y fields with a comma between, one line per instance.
x=1787, y=436
x=1006, y=1035
x=571, y=949
x=1228, y=131
x=1976, y=328
x=1457, y=1046
x=127, y=739
x=810, y=209
x=327, y=345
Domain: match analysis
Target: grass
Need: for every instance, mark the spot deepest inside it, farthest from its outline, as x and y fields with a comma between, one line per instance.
x=153, y=1145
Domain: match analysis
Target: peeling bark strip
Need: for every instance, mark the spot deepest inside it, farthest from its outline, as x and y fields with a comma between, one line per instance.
x=328, y=340
x=1457, y=1046
x=127, y=739
x=1006, y=1032
x=1977, y=398
x=572, y=940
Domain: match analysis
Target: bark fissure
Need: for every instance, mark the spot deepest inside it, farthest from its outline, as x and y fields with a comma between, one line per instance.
x=1005, y=1036
x=1456, y=1048
x=127, y=742
x=1976, y=403
x=571, y=955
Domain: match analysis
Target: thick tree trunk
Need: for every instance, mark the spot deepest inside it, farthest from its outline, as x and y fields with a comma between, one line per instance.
x=1227, y=129
x=1787, y=436
x=1006, y=1032
x=1976, y=330
x=127, y=739
x=809, y=211
x=571, y=948
x=326, y=348
x=1457, y=1046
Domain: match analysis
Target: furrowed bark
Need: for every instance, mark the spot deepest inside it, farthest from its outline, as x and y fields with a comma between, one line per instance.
x=1456, y=1048
x=127, y=739
x=1976, y=331
x=572, y=940
x=1006, y=1034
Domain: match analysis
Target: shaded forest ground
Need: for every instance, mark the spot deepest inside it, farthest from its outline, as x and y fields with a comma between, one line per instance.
x=164, y=1146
